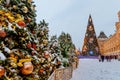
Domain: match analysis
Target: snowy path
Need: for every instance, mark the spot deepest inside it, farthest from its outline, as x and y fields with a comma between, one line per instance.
x=91, y=69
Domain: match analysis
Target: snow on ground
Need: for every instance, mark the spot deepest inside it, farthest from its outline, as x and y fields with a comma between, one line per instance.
x=92, y=69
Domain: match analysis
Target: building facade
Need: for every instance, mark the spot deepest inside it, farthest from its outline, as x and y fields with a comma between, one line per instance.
x=111, y=45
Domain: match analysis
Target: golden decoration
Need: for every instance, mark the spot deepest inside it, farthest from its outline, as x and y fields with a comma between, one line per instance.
x=14, y=7
x=13, y=58
x=24, y=9
x=0, y=1
x=22, y=61
x=13, y=27
x=9, y=16
x=29, y=1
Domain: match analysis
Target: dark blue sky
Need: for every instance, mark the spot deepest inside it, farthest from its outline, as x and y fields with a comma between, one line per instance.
x=71, y=16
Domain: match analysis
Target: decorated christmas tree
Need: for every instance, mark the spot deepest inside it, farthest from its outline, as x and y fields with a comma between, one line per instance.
x=67, y=48
x=46, y=51
x=25, y=52
x=56, y=52
x=90, y=46
x=17, y=40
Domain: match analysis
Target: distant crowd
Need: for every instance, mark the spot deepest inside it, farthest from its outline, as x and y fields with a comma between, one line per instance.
x=108, y=58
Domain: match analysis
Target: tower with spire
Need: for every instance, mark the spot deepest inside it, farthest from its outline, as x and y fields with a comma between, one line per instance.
x=90, y=45
x=118, y=23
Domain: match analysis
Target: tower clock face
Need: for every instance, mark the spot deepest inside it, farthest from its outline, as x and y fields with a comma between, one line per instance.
x=90, y=28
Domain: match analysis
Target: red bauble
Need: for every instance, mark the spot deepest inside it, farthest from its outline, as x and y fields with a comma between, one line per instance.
x=34, y=46
x=46, y=55
x=33, y=32
x=32, y=53
x=41, y=70
x=2, y=33
x=2, y=71
x=21, y=23
x=29, y=45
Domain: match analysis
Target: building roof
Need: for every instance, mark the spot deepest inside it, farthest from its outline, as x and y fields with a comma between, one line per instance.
x=102, y=35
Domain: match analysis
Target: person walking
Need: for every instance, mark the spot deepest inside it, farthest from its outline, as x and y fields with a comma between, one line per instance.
x=102, y=58
x=99, y=57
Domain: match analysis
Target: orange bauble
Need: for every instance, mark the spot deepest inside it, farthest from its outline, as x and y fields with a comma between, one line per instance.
x=41, y=70
x=21, y=23
x=2, y=33
x=58, y=62
x=27, y=68
x=29, y=45
x=34, y=46
x=2, y=71
x=46, y=55
x=29, y=19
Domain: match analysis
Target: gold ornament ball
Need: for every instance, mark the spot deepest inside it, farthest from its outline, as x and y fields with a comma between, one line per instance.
x=29, y=1
x=27, y=68
x=14, y=7
x=25, y=9
x=45, y=41
x=49, y=59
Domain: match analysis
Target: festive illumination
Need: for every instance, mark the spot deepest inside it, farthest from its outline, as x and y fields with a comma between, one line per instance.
x=26, y=52
x=90, y=46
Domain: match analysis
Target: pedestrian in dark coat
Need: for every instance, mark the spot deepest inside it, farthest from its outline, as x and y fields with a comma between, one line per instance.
x=102, y=58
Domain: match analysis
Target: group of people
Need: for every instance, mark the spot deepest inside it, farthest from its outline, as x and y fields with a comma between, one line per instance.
x=108, y=58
